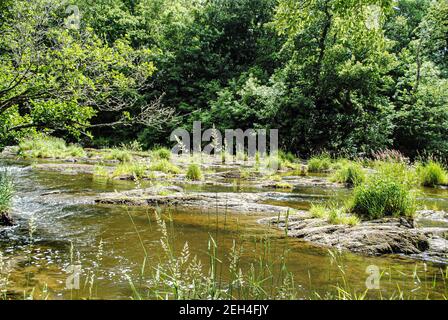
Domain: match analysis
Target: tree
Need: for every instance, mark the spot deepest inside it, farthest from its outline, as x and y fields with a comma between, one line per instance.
x=336, y=79
x=55, y=78
x=421, y=96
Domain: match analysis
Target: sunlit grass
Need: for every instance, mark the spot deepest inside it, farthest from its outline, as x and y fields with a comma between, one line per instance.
x=42, y=146
x=121, y=155
x=319, y=163
x=6, y=194
x=386, y=193
x=431, y=174
x=165, y=166
x=350, y=173
x=161, y=154
x=135, y=169
x=194, y=172
x=334, y=215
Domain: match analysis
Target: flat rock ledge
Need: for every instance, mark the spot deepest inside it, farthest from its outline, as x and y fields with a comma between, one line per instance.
x=157, y=196
x=380, y=237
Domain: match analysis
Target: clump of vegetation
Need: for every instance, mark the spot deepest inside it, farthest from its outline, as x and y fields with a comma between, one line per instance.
x=194, y=172
x=334, y=215
x=133, y=146
x=43, y=146
x=319, y=163
x=121, y=155
x=388, y=193
x=276, y=162
x=275, y=177
x=350, y=173
x=100, y=171
x=287, y=156
x=431, y=174
x=162, y=154
x=284, y=185
x=182, y=275
x=165, y=166
x=390, y=156
x=245, y=173
x=6, y=193
x=136, y=169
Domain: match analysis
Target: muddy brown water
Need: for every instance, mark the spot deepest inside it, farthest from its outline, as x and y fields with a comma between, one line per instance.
x=57, y=224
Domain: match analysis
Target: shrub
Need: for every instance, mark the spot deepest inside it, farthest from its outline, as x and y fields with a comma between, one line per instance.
x=165, y=166
x=119, y=154
x=42, y=146
x=388, y=193
x=319, y=163
x=431, y=174
x=194, y=172
x=351, y=173
x=162, y=154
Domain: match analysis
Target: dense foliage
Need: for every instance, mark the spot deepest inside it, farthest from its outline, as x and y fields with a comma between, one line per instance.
x=351, y=77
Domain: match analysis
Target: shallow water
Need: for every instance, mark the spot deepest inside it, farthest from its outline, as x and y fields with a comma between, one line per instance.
x=57, y=226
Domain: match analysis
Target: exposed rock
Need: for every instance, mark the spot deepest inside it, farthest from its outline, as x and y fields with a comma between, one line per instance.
x=434, y=216
x=388, y=236
x=298, y=182
x=438, y=250
x=235, y=202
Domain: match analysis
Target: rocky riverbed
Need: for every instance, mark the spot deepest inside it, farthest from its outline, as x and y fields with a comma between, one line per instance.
x=424, y=238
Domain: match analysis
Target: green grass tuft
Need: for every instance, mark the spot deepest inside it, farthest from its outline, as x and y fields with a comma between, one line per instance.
x=42, y=146
x=319, y=163
x=6, y=192
x=165, y=166
x=137, y=170
x=194, y=172
x=119, y=154
x=431, y=174
x=350, y=173
x=284, y=185
x=162, y=154
x=387, y=193
x=334, y=215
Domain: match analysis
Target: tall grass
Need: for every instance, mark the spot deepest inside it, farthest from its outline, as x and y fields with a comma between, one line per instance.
x=6, y=193
x=43, y=146
x=182, y=276
x=334, y=215
x=431, y=174
x=350, y=173
x=194, y=172
x=121, y=155
x=387, y=193
x=162, y=154
x=136, y=169
x=319, y=163
x=165, y=166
